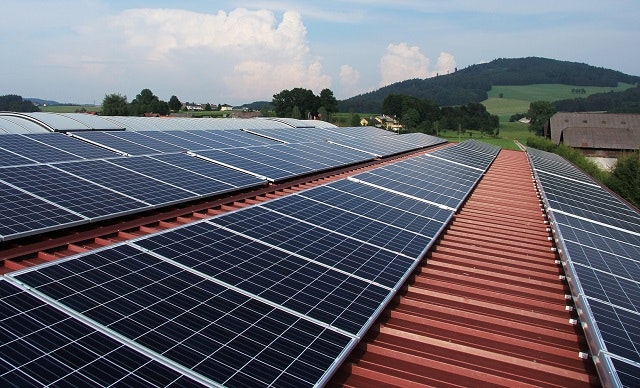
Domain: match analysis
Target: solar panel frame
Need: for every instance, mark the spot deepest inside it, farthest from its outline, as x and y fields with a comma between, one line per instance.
x=35, y=150
x=72, y=145
x=114, y=142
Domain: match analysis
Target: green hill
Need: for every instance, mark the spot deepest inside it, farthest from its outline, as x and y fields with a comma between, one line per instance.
x=474, y=83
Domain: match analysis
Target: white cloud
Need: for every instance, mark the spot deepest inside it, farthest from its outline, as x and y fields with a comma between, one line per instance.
x=250, y=51
x=349, y=78
x=402, y=62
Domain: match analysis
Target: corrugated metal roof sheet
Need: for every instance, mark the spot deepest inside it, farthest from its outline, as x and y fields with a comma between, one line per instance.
x=488, y=308
x=596, y=122
x=602, y=138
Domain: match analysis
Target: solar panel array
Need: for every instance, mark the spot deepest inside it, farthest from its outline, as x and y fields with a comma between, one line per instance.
x=273, y=294
x=599, y=240
x=54, y=181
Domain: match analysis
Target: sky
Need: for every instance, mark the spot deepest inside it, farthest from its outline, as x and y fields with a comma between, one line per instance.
x=236, y=52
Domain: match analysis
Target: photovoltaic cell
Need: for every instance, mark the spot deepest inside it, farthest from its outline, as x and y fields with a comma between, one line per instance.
x=43, y=346
x=22, y=214
x=35, y=150
x=207, y=328
x=115, y=142
x=75, y=146
x=12, y=159
x=280, y=277
x=138, y=186
x=599, y=239
x=174, y=175
x=245, y=160
x=142, y=139
x=65, y=190
x=215, y=171
x=344, y=253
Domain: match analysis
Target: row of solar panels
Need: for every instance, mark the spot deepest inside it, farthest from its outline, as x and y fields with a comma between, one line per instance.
x=51, y=181
x=275, y=294
x=599, y=239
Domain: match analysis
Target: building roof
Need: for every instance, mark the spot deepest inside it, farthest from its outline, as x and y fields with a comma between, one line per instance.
x=596, y=130
x=487, y=307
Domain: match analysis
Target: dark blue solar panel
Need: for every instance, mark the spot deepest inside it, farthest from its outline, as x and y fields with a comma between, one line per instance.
x=420, y=217
x=599, y=238
x=403, y=238
x=238, y=138
x=620, y=329
x=323, y=246
x=176, y=138
x=142, y=138
x=12, y=159
x=468, y=155
x=282, y=278
x=173, y=175
x=341, y=155
x=293, y=155
x=22, y=214
x=140, y=187
x=246, y=163
x=70, y=192
x=42, y=346
x=430, y=179
x=75, y=146
x=628, y=373
x=348, y=189
x=35, y=150
x=115, y=142
x=208, y=328
x=215, y=171
x=212, y=138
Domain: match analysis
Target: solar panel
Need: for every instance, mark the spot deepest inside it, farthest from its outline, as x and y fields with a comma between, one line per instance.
x=142, y=139
x=35, y=150
x=344, y=253
x=340, y=155
x=43, y=346
x=76, y=147
x=70, y=192
x=22, y=214
x=136, y=185
x=436, y=186
x=116, y=143
x=202, y=326
x=246, y=160
x=215, y=171
x=12, y=159
x=290, y=281
x=598, y=236
x=184, y=179
x=177, y=138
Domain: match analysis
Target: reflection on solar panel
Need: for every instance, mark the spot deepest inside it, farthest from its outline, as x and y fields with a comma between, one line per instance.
x=599, y=239
x=70, y=192
x=141, y=138
x=22, y=214
x=43, y=346
x=246, y=159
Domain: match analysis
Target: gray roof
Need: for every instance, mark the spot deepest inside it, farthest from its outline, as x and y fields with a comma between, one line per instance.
x=596, y=130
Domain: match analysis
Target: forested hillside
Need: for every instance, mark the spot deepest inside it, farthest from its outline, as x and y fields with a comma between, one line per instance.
x=472, y=83
x=627, y=101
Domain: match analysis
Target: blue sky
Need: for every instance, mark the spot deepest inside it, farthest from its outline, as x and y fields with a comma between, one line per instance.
x=242, y=51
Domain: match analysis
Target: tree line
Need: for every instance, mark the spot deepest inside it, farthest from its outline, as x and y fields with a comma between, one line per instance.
x=15, y=103
x=426, y=116
x=145, y=102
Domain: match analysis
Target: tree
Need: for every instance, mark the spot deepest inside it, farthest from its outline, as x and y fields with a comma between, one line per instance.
x=174, y=104
x=295, y=112
x=539, y=113
x=625, y=178
x=207, y=107
x=115, y=105
x=328, y=101
x=147, y=102
x=15, y=103
x=355, y=120
x=323, y=114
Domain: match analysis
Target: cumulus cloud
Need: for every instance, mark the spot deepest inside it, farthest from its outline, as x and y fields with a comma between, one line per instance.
x=402, y=62
x=349, y=78
x=251, y=51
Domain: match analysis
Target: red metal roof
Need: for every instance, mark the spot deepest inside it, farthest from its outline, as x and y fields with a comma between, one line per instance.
x=488, y=306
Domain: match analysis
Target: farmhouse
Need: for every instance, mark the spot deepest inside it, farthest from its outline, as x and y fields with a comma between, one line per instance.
x=596, y=134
